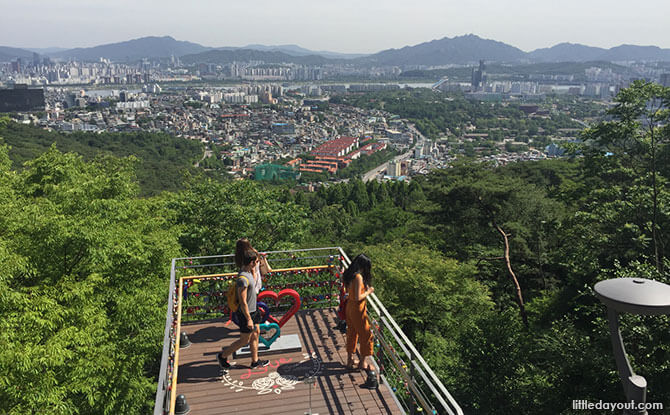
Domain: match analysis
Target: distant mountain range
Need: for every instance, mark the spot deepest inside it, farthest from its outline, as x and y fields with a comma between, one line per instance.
x=131, y=50
x=8, y=54
x=45, y=51
x=166, y=46
x=229, y=55
x=579, y=53
x=471, y=48
x=446, y=51
x=296, y=50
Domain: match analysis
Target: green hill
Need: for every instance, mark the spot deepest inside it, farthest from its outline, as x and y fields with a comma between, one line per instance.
x=135, y=49
x=162, y=158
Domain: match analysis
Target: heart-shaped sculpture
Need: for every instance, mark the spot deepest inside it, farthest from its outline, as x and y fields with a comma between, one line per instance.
x=269, y=333
x=287, y=292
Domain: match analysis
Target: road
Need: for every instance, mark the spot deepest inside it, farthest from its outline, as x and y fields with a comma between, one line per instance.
x=208, y=153
x=580, y=122
x=370, y=175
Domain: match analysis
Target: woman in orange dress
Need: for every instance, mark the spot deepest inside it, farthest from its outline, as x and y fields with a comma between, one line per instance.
x=358, y=282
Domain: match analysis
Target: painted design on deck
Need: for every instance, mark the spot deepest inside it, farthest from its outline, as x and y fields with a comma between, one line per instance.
x=284, y=377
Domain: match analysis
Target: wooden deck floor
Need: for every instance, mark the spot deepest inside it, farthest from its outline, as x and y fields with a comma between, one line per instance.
x=278, y=388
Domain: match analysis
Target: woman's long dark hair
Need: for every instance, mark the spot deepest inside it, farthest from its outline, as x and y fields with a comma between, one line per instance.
x=241, y=247
x=360, y=265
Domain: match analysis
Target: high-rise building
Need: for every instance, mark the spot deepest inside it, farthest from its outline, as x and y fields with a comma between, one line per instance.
x=591, y=90
x=665, y=79
x=277, y=91
x=604, y=91
x=21, y=98
x=397, y=168
x=266, y=97
x=418, y=152
x=16, y=66
x=479, y=76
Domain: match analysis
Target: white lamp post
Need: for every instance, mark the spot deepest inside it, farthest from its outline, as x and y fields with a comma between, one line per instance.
x=636, y=296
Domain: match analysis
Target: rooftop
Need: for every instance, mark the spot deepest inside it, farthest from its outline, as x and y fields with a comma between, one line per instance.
x=336, y=147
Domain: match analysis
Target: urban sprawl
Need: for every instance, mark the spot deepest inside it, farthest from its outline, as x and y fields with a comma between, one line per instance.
x=274, y=119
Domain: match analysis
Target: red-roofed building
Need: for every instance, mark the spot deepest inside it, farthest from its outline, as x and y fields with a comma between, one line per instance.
x=372, y=148
x=336, y=148
x=234, y=115
x=337, y=154
x=294, y=163
x=311, y=170
x=319, y=166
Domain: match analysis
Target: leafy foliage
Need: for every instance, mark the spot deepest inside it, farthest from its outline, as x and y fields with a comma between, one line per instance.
x=79, y=300
x=163, y=159
x=365, y=163
x=436, y=114
x=213, y=215
x=433, y=298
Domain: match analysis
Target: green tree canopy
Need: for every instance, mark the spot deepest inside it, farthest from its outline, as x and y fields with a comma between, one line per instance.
x=84, y=265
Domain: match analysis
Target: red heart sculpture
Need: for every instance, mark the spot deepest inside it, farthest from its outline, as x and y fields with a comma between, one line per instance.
x=276, y=297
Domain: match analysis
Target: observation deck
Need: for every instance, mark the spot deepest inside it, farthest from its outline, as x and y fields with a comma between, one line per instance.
x=306, y=373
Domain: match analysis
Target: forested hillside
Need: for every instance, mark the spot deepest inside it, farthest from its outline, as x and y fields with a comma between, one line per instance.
x=436, y=114
x=84, y=267
x=162, y=159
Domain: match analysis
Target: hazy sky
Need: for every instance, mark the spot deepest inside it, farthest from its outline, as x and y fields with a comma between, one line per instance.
x=361, y=26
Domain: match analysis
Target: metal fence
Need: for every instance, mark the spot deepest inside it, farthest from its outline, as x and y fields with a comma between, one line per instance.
x=217, y=269
x=196, y=293
x=162, y=404
x=402, y=368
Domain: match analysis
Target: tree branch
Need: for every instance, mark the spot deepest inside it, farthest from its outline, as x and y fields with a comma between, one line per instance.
x=519, y=296
x=496, y=258
x=508, y=263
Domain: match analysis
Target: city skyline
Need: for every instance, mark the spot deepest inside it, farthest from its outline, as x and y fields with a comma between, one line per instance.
x=345, y=27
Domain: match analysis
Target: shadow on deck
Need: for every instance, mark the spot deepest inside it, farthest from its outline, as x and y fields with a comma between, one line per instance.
x=278, y=388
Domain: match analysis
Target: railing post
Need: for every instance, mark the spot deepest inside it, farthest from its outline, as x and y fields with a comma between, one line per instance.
x=412, y=408
x=380, y=329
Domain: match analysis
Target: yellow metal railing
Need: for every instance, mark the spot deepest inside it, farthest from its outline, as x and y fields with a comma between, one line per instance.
x=232, y=274
x=180, y=296
x=415, y=386
x=173, y=396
